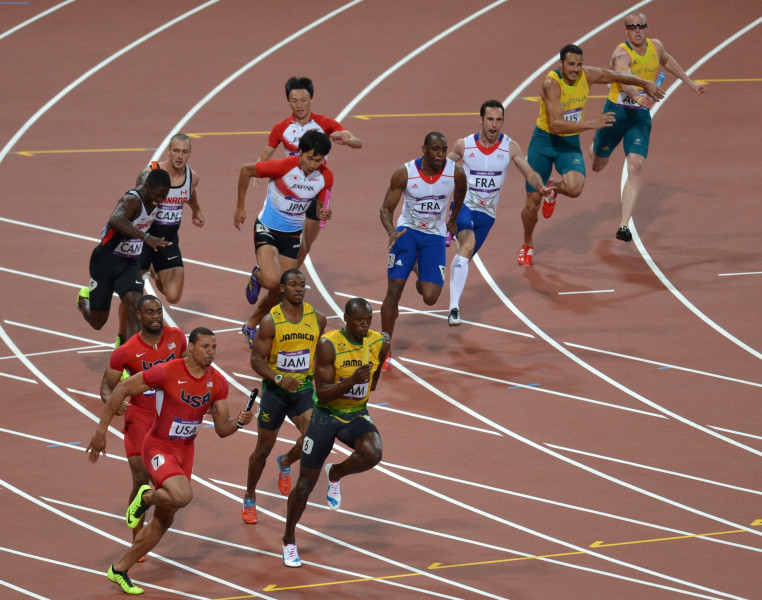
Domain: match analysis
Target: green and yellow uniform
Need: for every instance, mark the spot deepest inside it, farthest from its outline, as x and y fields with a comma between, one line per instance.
x=573, y=100
x=293, y=349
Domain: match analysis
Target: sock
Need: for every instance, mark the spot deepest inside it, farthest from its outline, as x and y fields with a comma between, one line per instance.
x=458, y=276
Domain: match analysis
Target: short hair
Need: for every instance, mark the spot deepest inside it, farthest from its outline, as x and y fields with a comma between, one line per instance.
x=570, y=49
x=199, y=331
x=158, y=178
x=491, y=104
x=299, y=83
x=179, y=137
x=636, y=13
x=431, y=135
x=352, y=302
x=147, y=298
x=315, y=140
x=288, y=273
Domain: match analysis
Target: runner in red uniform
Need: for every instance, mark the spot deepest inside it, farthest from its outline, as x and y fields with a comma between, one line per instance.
x=185, y=390
x=154, y=344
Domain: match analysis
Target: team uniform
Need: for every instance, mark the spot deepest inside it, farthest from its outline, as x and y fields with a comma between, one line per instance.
x=546, y=148
x=486, y=170
x=633, y=122
x=423, y=214
x=182, y=400
x=166, y=224
x=115, y=264
x=289, y=132
x=346, y=418
x=292, y=354
x=289, y=195
x=135, y=356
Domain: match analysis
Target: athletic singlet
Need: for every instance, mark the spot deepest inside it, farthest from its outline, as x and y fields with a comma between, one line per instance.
x=293, y=349
x=182, y=400
x=645, y=67
x=425, y=198
x=349, y=356
x=120, y=244
x=573, y=99
x=486, y=169
x=169, y=212
x=136, y=356
x=289, y=132
x=290, y=192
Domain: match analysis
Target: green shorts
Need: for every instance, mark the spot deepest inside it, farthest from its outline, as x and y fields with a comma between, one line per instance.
x=632, y=128
x=547, y=150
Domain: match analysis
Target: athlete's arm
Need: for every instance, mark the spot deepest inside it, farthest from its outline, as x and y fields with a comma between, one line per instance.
x=346, y=138
x=670, y=64
x=458, y=150
x=247, y=172
x=326, y=389
x=461, y=185
x=224, y=425
x=110, y=380
x=391, y=200
x=551, y=96
x=381, y=358
x=197, y=216
x=260, y=351
x=519, y=159
x=129, y=387
x=598, y=75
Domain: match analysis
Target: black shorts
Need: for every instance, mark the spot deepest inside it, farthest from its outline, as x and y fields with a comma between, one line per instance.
x=166, y=257
x=275, y=406
x=110, y=273
x=287, y=243
x=324, y=428
x=312, y=210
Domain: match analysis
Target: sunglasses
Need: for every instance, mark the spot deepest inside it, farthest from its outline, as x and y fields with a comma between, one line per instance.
x=634, y=26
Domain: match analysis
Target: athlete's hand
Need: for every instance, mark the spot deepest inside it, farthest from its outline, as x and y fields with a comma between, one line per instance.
x=289, y=384
x=198, y=218
x=239, y=217
x=604, y=120
x=361, y=374
x=394, y=237
x=123, y=408
x=325, y=215
x=156, y=242
x=655, y=93
x=337, y=137
x=96, y=446
x=452, y=227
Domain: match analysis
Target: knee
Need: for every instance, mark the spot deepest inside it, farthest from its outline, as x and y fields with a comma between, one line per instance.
x=304, y=487
x=183, y=499
x=373, y=456
x=430, y=299
x=262, y=451
x=173, y=296
x=599, y=163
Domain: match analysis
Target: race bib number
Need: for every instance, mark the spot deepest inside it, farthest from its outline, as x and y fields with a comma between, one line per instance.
x=390, y=261
x=357, y=392
x=183, y=429
x=574, y=115
x=157, y=461
x=626, y=102
x=307, y=446
x=294, y=362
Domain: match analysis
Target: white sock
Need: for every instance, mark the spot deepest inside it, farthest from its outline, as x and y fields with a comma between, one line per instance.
x=458, y=276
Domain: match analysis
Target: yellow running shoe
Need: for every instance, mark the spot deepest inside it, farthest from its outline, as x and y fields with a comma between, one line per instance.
x=83, y=293
x=137, y=509
x=123, y=580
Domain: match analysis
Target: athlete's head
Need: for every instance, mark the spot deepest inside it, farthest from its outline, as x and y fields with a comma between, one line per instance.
x=179, y=150
x=150, y=314
x=358, y=315
x=313, y=146
x=292, y=286
x=299, y=83
x=202, y=346
x=155, y=188
x=299, y=92
x=636, y=25
x=434, y=150
x=571, y=63
x=158, y=178
x=491, y=104
x=492, y=117
x=570, y=49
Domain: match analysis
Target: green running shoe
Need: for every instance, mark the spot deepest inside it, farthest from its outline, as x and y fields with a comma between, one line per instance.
x=137, y=509
x=123, y=580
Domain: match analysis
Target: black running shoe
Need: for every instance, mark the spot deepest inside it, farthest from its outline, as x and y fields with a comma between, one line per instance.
x=624, y=234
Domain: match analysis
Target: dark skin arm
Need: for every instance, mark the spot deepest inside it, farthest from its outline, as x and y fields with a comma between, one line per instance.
x=128, y=208
x=224, y=424
x=391, y=200
x=461, y=185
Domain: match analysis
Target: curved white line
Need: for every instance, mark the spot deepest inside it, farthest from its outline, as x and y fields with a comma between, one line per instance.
x=636, y=238
x=44, y=13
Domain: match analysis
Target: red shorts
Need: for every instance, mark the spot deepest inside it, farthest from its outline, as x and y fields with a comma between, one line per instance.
x=164, y=459
x=137, y=424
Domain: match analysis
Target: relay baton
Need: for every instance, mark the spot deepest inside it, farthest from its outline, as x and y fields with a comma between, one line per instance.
x=448, y=239
x=326, y=204
x=249, y=403
x=660, y=79
x=365, y=350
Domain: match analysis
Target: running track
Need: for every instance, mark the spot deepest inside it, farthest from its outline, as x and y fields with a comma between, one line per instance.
x=594, y=431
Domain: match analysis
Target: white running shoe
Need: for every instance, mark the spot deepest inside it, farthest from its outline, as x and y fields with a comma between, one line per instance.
x=453, y=319
x=334, y=490
x=291, y=556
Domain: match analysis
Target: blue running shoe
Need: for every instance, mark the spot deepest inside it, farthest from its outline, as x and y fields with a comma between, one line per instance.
x=253, y=287
x=249, y=334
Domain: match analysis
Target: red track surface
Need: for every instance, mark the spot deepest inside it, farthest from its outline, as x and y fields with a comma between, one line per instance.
x=552, y=422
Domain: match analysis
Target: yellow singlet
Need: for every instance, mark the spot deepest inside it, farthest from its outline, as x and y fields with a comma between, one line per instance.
x=349, y=356
x=573, y=99
x=293, y=349
x=645, y=67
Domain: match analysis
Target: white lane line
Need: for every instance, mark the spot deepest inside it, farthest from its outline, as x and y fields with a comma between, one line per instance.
x=432, y=419
x=656, y=469
x=44, y=13
x=16, y=377
x=62, y=351
x=585, y=292
x=636, y=238
x=663, y=364
x=592, y=511
x=54, y=100
x=58, y=333
x=733, y=431
x=530, y=387
x=432, y=313
x=735, y=274
x=20, y=589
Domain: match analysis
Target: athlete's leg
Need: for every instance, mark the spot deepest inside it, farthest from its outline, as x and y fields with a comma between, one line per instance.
x=265, y=441
x=309, y=235
x=295, y=453
x=139, y=478
x=170, y=282
x=459, y=266
x=297, y=500
x=633, y=185
x=529, y=216
x=367, y=455
x=390, y=306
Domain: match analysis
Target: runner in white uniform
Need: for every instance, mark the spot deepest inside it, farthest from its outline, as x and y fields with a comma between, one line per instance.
x=486, y=157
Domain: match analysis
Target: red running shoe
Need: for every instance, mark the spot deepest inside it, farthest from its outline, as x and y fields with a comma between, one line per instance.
x=387, y=366
x=548, y=203
x=525, y=256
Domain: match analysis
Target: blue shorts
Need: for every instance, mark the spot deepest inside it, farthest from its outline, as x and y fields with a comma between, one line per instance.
x=427, y=248
x=632, y=126
x=478, y=222
x=547, y=150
